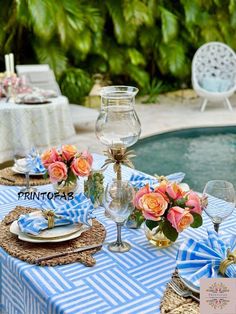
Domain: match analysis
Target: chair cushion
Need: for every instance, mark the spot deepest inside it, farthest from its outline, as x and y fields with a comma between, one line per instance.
x=215, y=84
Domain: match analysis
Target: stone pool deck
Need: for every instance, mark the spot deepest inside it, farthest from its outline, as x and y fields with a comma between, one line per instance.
x=172, y=111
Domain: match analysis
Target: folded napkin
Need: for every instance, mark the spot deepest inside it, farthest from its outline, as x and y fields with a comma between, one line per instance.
x=140, y=180
x=78, y=210
x=203, y=259
x=34, y=162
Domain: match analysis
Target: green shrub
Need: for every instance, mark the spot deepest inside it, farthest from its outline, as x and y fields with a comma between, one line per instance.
x=75, y=84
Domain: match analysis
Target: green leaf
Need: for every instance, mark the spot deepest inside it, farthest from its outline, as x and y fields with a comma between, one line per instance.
x=140, y=76
x=136, y=12
x=152, y=224
x=169, y=25
x=180, y=202
x=51, y=54
x=45, y=175
x=173, y=58
x=136, y=57
x=169, y=231
x=192, y=11
x=197, y=220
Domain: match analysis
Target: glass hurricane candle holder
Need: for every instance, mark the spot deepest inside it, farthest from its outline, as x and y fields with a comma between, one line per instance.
x=118, y=125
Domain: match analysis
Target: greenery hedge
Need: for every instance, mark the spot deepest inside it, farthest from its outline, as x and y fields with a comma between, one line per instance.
x=149, y=43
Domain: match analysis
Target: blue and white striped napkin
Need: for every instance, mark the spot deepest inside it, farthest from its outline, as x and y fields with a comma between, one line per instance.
x=140, y=180
x=202, y=259
x=78, y=210
x=34, y=162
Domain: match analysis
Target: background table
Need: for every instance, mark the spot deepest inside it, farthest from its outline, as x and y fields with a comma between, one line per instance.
x=23, y=126
x=131, y=282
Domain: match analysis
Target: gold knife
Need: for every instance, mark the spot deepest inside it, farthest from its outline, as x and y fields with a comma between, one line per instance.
x=80, y=249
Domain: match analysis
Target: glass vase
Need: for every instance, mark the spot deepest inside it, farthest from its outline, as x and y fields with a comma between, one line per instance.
x=157, y=237
x=65, y=187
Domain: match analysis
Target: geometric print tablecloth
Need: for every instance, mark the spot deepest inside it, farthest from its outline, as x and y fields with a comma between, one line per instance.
x=132, y=282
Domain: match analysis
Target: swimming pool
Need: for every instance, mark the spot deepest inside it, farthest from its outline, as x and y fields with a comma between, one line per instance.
x=203, y=154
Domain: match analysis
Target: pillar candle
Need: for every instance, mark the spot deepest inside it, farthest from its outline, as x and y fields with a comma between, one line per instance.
x=7, y=64
x=11, y=58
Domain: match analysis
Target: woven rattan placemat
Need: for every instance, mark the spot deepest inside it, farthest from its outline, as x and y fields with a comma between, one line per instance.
x=7, y=176
x=29, y=252
x=172, y=303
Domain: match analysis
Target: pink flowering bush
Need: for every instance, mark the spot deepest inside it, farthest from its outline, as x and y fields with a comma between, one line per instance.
x=67, y=163
x=170, y=208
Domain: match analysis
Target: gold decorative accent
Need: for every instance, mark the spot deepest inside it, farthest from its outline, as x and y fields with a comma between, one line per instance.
x=231, y=259
x=118, y=155
x=161, y=178
x=50, y=216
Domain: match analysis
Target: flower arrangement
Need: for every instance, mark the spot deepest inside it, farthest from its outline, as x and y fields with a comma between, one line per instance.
x=169, y=208
x=66, y=164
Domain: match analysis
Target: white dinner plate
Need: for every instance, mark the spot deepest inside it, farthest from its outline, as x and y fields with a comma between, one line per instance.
x=57, y=234
x=190, y=286
x=20, y=171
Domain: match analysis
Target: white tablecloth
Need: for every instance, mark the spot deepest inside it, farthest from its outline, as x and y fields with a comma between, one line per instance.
x=128, y=283
x=23, y=126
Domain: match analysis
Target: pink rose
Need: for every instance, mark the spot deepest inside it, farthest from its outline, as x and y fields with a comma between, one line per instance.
x=49, y=156
x=174, y=191
x=179, y=218
x=194, y=202
x=88, y=157
x=57, y=171
x=81, y=166
x=68, y=151
x=139, y=194
x=162, y=190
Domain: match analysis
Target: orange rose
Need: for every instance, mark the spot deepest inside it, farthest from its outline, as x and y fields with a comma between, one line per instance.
x=57, y=171
x=68, y=151
x=153, y=206
x=49, y=156
x=180, y=218
x=81, y=167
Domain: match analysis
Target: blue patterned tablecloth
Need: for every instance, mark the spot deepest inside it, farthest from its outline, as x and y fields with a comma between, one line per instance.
x=131, y=282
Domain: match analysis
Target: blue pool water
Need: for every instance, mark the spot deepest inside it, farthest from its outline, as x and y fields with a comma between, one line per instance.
x=203, y=154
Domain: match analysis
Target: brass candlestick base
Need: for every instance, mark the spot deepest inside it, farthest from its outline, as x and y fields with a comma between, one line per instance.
x=118, y=155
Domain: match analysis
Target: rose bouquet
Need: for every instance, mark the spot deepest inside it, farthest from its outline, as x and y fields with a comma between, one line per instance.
x=66, y=164
x=168, y=209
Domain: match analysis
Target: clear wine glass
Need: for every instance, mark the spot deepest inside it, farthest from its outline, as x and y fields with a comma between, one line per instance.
x=118, y=204
x=22, y=164
x=221, y=201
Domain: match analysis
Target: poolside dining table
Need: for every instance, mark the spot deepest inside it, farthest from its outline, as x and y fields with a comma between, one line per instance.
x=40, y=125
x=131, y=282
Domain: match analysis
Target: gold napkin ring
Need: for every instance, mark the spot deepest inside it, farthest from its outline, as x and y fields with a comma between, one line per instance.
x=231, y=259
x=49, y=215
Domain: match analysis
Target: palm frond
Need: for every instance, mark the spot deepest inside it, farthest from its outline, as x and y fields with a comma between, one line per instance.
x=52, y=55
x=169, y=25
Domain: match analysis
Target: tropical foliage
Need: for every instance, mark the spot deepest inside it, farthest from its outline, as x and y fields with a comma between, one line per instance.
x=132, y=41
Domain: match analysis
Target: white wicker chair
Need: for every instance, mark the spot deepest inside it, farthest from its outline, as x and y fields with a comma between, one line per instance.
x=214, y=61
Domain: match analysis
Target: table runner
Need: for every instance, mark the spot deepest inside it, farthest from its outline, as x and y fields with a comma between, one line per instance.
x=133, y=282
